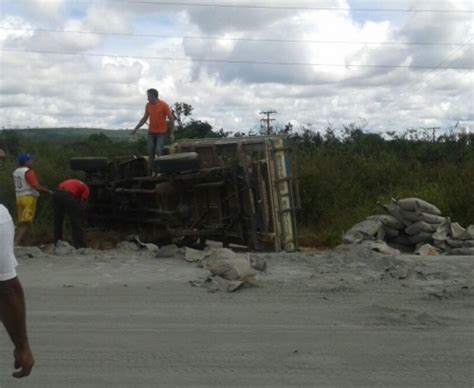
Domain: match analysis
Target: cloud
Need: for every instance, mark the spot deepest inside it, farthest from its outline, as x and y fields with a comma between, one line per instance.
x=350, y=82
x=41, y=11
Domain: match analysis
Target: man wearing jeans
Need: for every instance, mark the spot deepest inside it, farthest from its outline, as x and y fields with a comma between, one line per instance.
x=12, y=299
x=69, y=199
x=157, y=111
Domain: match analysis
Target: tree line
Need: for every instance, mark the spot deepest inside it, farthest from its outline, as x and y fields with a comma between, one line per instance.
x=344, y=175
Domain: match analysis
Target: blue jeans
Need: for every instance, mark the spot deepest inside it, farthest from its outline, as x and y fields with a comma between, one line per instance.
x=156, y=143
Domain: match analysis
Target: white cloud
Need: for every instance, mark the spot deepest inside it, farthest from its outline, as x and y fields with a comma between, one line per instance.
x=50, y=11
x=82, y=90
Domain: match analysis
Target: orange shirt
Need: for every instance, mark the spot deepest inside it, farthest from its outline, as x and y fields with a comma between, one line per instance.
x=31, y=178
x=157, y=115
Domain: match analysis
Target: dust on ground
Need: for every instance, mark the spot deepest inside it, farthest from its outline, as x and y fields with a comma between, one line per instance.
x=345, y=317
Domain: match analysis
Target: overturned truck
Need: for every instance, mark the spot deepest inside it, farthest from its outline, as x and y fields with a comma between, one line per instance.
x=238, y=191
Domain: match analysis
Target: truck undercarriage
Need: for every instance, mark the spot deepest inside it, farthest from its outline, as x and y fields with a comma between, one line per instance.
x=237, y=191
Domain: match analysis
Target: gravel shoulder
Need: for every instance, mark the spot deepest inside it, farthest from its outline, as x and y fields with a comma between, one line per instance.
x=344, y=318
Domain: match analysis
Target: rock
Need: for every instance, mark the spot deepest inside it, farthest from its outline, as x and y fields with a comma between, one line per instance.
x=457, y=231
x=194, y=255
x=63, y=248
x=134, y=244
x=427, y=250
x=229, y=265
x=258, y=263
x=469, y=233
x=28, y=252
x=381, y=247
x=129, y=246
x=169, y=251
x=152, y=248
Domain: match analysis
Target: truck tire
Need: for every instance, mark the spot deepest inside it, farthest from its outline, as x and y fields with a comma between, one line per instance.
x=185, y=161
x=91, y=164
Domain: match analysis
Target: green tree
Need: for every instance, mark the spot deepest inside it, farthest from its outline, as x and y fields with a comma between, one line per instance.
x=182, y=111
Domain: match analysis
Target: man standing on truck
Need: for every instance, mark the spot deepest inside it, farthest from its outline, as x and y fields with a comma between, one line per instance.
x=12, y=299
x=69, y=198
x=157, y=111
x=27, y=190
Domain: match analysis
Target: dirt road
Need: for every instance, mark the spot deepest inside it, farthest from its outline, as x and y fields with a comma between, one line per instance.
x=117, y=320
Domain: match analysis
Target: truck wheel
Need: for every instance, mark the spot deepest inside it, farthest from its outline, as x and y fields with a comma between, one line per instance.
x=185, y=161
x=91, y=164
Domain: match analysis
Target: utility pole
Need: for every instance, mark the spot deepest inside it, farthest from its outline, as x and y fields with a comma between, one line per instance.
x=434, y=129
x=265, y=122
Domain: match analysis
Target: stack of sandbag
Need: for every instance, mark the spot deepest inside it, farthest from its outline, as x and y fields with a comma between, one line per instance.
x=390, y=226
x=420, y=219
x=454, y=239
x=370, y=229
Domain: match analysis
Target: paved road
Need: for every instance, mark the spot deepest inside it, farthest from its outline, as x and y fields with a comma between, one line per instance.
x=169, y=334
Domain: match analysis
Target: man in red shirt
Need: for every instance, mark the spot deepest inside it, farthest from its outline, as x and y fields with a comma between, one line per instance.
x=69, y=198
x=158, y=112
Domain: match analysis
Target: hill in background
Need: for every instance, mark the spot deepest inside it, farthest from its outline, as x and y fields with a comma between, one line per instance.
x=69, y=135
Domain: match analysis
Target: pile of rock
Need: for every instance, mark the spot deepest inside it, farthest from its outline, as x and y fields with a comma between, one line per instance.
x=414, y=225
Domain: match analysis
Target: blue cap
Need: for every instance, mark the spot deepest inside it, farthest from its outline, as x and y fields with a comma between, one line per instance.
x=24, y=157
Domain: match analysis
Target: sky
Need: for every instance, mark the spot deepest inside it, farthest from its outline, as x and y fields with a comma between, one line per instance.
x=383, y=65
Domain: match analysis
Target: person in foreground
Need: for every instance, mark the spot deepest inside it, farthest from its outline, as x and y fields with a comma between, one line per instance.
x=12, y=299
x=70, y=197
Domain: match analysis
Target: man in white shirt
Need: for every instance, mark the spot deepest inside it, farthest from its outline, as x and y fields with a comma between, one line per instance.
x=12, y=299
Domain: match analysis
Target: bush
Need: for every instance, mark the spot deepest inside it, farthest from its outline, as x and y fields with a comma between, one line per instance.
x=342, y=178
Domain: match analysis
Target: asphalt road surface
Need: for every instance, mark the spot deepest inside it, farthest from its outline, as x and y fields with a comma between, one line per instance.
x=141, y=324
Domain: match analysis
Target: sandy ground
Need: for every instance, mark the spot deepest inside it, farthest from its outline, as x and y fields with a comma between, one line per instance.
x=347, y=318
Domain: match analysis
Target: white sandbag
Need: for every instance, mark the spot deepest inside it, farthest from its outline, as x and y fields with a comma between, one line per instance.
x=432, y=219
x=420, y=216
x=229, y=265
x=457, y=231
x=381, y=247
x=427, y=250
x=441, y=245
x=388, y=221
x=420, y=226
x=395, y=211
x=193, y=255
x=463, y=251
x=454, y=243
x=442, y=230
x=469, y=233
x=390, y=233
x=422, y=237
x=365, y=230
x=460, y=243
x=417, y=204
x=402, y=239
x=411, y=217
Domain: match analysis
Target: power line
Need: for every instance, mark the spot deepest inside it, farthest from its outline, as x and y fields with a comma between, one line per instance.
x=277, y=7
x=265, y=40
x=434, y=69
x=228, y=61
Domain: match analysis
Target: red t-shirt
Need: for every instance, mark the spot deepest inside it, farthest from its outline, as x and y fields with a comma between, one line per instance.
x=76, y=187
